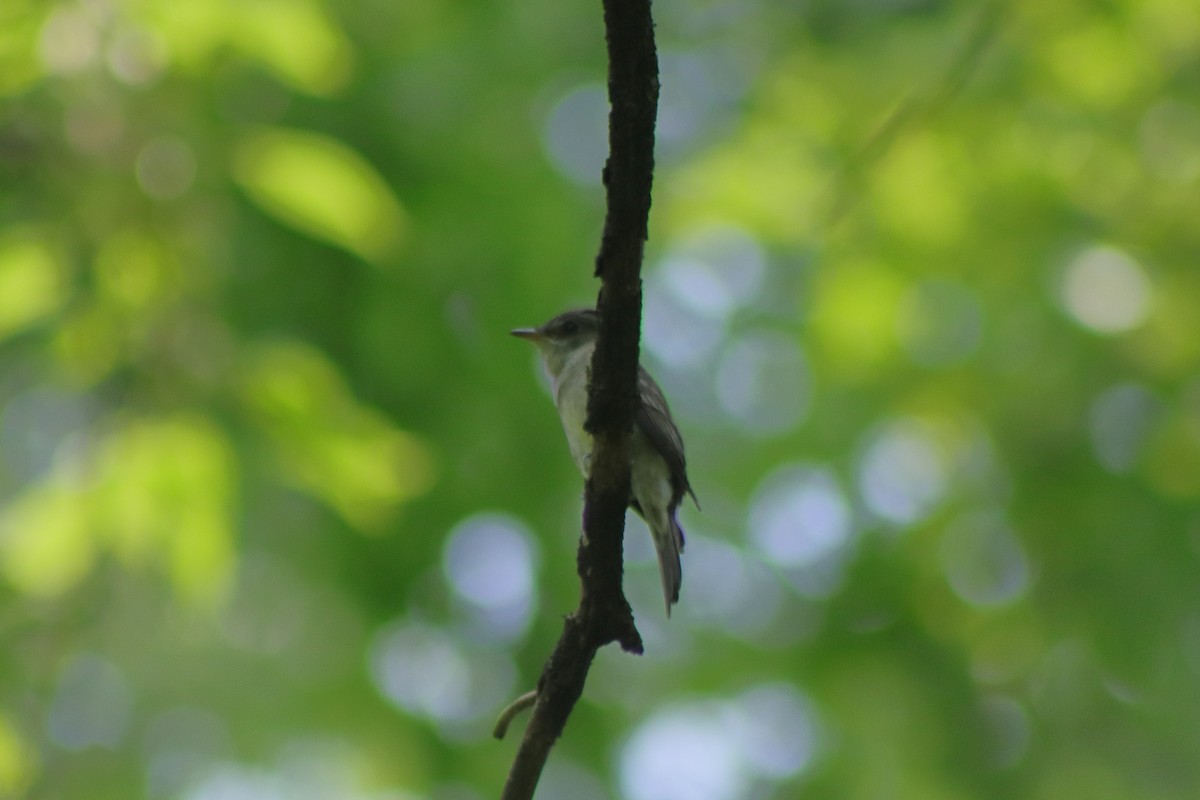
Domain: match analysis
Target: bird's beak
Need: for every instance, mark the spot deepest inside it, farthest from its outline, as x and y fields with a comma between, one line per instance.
x=531, y=334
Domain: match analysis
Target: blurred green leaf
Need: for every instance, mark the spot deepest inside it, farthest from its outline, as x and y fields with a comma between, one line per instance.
x=46, y=541
x=16, y=760
x=920, y=287
x=19, y=69
x=31, y=284
x=165, y=490
x=348, y=455
x=322, y=188
x=296, y=39
x=155, y=491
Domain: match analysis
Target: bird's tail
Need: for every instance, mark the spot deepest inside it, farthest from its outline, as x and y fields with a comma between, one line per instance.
x=668, y=541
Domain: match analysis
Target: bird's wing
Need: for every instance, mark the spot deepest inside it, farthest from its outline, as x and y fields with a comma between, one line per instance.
x=654, y=420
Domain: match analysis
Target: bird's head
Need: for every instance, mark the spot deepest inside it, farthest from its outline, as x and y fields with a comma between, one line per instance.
x=563, y=336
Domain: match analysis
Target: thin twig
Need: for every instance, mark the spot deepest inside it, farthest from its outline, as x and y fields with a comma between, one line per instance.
x=604, y=615
x=510, y=712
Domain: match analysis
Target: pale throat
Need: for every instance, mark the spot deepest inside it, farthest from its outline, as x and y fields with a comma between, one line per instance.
x=570, y=385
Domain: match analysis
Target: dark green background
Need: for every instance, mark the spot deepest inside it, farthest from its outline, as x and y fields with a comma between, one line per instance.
x=285, y=512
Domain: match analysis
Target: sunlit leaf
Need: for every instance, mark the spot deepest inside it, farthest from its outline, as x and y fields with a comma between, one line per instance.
x=19, y=21
x=17, y=762
x=157, y=491
x=46, y=543
x=920, y=191
x=322, y=188
x=296, y=39
x=165, y=491
x=31, y=285
x=770, y=181
x=348, y=455
x=855, y=316
x=1101, y=64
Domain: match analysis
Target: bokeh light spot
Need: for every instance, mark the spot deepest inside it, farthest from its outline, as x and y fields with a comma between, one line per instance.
x=719, y=749
x=137, y=56
x=715, y=270
x=776, y=730
x=984, y=561
x=1120, y=421
x=1009, y=731
x=698, y=287
x=674, y=331
x=901, y=474
x=799, y=516
x=738, y=593
x=682, y=753
x=699, y=93
x=69, y=40
x=764, y=383
x=422, y=670
x=230, y=782
x=1105, y=290
x=91, y=705
x=576, y=133
x=179, y=744
x=36, y=423
x=166, y=167
x=425, y=671
x=490, y=561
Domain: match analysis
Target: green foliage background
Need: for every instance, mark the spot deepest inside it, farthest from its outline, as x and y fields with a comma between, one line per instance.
x=922, y=285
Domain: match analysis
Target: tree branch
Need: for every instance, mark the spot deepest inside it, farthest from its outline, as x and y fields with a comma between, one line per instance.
x=604, y=615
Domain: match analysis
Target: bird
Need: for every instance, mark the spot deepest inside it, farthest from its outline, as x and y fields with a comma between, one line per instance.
x=658, y=470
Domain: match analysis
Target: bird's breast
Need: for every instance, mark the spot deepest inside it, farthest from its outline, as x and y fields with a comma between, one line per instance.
x=570, y=395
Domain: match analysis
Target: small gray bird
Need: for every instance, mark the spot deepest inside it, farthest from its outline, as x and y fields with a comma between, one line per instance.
x=658, y=474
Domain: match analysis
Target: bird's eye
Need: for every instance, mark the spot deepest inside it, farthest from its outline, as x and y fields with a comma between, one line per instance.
x=570, y=327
